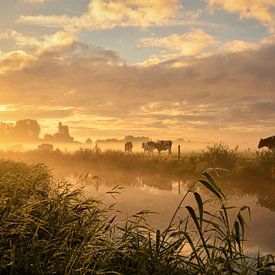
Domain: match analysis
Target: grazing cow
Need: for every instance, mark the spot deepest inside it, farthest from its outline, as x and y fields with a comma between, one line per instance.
x=163, y=145
x=267, y=142
x=148, y=147
x=128, y=147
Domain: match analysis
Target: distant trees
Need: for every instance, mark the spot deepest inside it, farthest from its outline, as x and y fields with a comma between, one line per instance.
x=137, y=139
x=62, y=135
x=26, y=130
x=6, y=131
x=126, y=138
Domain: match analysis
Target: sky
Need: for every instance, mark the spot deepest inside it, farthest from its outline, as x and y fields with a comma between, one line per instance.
x=201, y=70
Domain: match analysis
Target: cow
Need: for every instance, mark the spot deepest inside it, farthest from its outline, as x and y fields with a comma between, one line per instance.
x=128, y=147
x=148, y=147
x=267, y=142
x=163, y=145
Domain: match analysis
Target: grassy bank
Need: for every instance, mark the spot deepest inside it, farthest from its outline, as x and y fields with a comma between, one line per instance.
x=248, y=165
x=49, y=227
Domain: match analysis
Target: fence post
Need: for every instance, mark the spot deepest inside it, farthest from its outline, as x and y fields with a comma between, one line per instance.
x=178, y=152
x=273, y=173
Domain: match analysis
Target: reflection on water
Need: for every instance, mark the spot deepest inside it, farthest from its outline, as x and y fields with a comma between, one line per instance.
x=162, y=195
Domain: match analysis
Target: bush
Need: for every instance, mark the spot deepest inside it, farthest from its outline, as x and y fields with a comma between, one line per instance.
x=220, y=155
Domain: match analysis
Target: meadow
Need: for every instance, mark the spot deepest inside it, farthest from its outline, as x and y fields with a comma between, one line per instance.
x=48, y=226
x=246, y=164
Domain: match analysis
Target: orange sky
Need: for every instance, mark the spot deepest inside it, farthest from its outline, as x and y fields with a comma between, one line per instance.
x=161, y=68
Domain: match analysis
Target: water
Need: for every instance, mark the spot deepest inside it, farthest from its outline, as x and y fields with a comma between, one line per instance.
x=162, y=195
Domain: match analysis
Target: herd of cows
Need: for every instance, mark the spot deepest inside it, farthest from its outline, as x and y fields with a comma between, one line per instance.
x=163, y=145
x=150, y=146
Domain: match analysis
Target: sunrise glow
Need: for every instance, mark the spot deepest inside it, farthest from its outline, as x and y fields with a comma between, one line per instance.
x=198, y=70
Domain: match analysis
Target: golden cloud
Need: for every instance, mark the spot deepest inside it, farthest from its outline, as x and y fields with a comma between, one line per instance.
x=103, y=14
x=14, y=61
x=235, y=46
x=35, y=2
x=57, y=41
x=182, y=50
x=188, y=44
x=261, y=10
x=19, y=59
x=133, y=12
x=20, y=39
x=218, y=92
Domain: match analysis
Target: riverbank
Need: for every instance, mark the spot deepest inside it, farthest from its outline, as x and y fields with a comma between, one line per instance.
x=48, y=226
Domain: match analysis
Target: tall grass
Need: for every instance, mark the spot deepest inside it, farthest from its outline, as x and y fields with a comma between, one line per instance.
x=250, y=165
x=49, y=227
x=220, y=155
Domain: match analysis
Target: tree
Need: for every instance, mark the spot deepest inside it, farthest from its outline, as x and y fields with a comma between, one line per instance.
x=88, y=141
x=6, y=132
x=27, y=129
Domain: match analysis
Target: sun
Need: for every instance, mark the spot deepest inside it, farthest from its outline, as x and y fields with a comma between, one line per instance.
x=3, y=108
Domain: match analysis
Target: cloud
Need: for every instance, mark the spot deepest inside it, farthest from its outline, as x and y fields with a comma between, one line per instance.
x=261, y=10
x=19, y=38
x=235, y=46
x=133, y=12
x=19, y=59
x=187, y=44
x=104, y=14
x=58, y=21
x=14, y=61
x=36, y=2
x=181, y=50
x=58, y=39
x=94, y=88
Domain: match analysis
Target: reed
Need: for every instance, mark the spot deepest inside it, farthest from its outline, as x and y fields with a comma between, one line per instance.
x=49, y=227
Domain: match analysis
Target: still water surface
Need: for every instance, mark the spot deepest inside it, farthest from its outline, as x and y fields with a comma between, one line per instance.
x=162, y=195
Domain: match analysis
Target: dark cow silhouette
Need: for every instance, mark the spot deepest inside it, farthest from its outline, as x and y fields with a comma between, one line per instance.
x=163, y=145
x=267, y=142
x=128, y=147
x=148, y=147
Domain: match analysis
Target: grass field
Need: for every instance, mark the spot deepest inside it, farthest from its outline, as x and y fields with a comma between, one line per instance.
x=249, y=165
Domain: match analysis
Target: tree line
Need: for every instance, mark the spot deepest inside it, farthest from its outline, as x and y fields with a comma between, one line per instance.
x=28, y=130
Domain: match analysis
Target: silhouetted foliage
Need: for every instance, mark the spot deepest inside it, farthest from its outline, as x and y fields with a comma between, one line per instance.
x=62, y=135
x=26, y=130
x=220, y=155
x=88, y=141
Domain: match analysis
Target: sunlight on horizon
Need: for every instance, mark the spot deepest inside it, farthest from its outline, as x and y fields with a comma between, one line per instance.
x=195, y=70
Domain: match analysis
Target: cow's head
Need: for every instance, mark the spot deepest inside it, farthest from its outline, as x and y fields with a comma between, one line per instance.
x=142, y=145
x=261, y=143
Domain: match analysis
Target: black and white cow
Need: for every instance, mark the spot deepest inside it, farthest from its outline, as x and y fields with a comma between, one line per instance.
x=148, y=147
x=128, y=147
x=267, y=142
x=163, y=145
